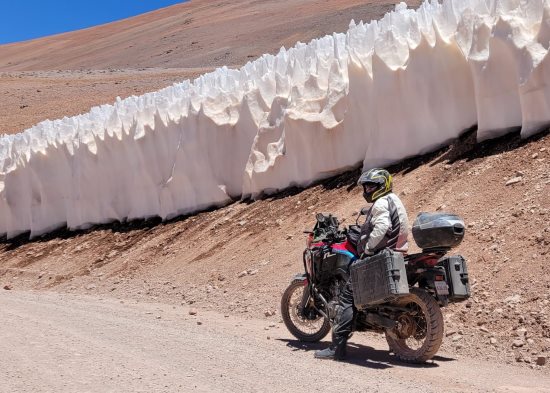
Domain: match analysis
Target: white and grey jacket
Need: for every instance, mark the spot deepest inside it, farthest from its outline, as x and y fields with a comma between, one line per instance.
x=386, y=226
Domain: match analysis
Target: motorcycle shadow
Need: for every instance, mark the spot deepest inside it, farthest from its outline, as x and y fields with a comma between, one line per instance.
x=366, y=356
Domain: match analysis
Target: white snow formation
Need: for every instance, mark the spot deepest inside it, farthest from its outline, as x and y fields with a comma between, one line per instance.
x=383, y=91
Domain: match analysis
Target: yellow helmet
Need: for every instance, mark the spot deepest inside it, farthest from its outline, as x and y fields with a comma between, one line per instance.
x=376, y=183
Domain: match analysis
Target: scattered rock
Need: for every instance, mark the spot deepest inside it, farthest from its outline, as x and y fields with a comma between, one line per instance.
x=441, y=207
x=242, y=223
x=193, y=311
x=8, y=287
x=513, y=299
x=450, y=332
x=199, y=323
x=288, y=237
x=518, y=343
x=518, y=356
x=514, y=180
x=535, y=155
x=90, y=287
x=521, y=332
x=269, y=313
x=252, y=272
x=242, y=274
x=457, y=338
x=492, y=341
x=541, y=360
x=484, y=329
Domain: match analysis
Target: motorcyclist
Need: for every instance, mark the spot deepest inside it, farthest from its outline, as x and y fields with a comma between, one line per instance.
x=386, y=226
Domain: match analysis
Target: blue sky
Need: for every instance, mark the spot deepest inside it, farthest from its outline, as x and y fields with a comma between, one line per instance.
x=22, y=20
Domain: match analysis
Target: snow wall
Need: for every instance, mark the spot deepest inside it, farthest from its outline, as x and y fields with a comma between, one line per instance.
x=393, y=88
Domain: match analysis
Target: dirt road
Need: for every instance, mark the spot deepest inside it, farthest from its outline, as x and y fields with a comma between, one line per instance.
x=54, y=342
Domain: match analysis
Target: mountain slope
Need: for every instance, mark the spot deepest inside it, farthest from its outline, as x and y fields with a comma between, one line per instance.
x=67, y=74
x=198, y=33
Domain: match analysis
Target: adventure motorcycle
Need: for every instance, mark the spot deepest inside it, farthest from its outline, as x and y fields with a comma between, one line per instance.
x=408, y=290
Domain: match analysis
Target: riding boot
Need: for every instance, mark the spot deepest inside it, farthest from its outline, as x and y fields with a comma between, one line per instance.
x=340, y=348
x=337, y=351
x=327, y=353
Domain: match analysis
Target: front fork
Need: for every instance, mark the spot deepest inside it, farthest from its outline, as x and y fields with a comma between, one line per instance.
x=309, y=295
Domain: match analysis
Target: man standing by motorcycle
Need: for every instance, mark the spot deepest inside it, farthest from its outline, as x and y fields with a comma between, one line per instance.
x=386, y=226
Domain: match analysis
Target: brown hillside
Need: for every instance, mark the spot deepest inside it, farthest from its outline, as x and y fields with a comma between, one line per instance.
x=154, y=50
x=239, y=259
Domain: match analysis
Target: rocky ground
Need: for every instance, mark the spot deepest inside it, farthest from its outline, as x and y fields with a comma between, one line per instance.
x=238, y=260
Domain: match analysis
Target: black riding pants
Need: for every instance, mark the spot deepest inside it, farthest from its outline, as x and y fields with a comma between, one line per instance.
x=343, y=319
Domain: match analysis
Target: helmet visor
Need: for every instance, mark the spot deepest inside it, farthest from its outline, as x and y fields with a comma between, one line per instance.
x=369, y=188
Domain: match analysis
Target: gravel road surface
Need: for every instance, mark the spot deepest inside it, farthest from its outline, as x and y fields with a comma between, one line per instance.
x=51, y=342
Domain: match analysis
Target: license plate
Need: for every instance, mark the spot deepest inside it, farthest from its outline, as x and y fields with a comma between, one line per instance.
x=441, y=288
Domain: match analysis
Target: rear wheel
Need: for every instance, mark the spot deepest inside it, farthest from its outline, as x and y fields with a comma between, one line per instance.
x=419, y=331
x=304, y=323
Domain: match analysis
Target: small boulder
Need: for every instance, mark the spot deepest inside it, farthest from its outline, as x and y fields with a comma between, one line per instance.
x=514, y=180
x=518, y=343
x=513, y=299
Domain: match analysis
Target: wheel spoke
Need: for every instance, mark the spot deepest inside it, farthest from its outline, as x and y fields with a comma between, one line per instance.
x=306, y=325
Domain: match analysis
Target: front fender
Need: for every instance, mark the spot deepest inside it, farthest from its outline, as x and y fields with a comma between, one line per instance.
x=300, y=277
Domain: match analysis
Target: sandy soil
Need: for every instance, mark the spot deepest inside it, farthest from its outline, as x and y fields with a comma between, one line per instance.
x=29, y=97
x=60, y=343
x=237, y=260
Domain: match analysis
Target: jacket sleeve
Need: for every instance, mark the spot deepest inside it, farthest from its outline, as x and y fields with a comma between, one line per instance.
x=380, y=223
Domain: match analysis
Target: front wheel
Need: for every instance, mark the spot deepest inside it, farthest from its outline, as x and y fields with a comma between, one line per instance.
x=304, y=323
x=419, y=331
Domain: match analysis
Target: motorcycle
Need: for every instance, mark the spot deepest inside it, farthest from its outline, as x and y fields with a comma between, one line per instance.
x=412, y=321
